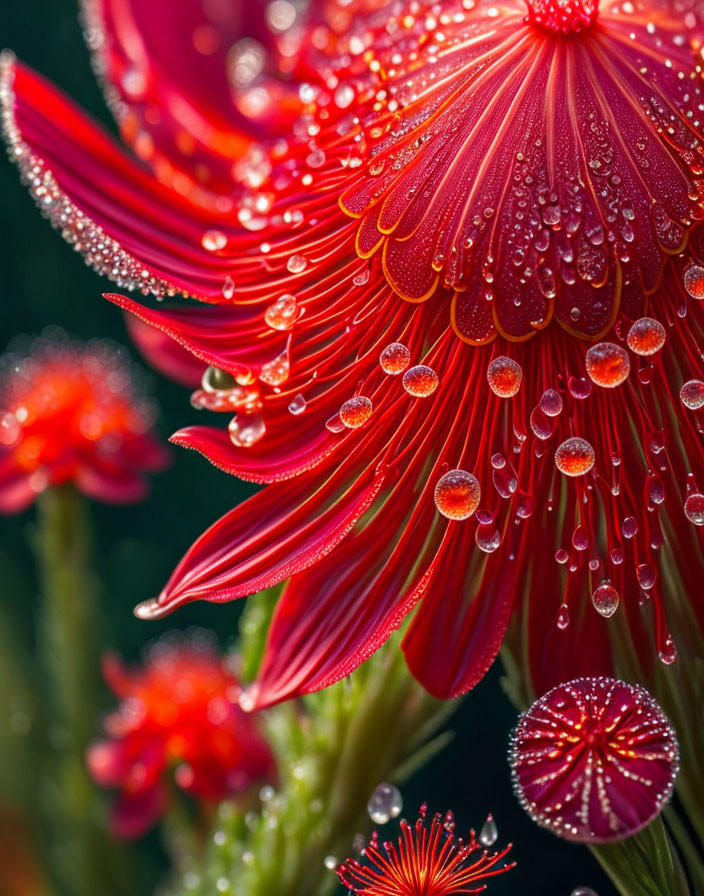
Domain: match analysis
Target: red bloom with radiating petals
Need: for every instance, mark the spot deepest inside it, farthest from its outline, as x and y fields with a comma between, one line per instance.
x=594, y=760
x=178, y=714
x=427, y=860
x=73, y=412
x=400, y=276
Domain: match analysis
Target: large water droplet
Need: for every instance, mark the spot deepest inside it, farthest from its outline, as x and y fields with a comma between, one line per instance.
x=216, y=380
x=646, y=336
x=457, y=494
x=355, y=412
x=297, y=404
x=608, y=365
x=605, y=599
x=282, y=314
x=692, y=394
x=395, y=358
x=489, y=833
x=213, y=240
x=694, y=508
x=574, y=457
x=694, y=281
x=420, y=381
x=551, y=403
x=296, y=264
x=584, y=891
x=385, y=803
x=563, y=617
x=504, y=376
x=246, y=429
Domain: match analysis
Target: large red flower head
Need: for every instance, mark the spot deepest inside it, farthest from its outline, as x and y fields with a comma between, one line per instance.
x=73, y=412
x=427, y=860
x=179, y=715
x=450, y=295
x=594, y=760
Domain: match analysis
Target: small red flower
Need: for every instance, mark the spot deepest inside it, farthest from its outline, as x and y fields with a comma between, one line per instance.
x=73, y=412
x=178, y=714
x=594, y=760
x=427, y=860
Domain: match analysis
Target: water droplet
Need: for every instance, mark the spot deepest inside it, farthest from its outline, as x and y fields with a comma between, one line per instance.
x=584, y=891
x=361, y=278
x=213, y=240
x=296, y=264
x=457, y=494
x=605, y=599
x=694, y=508
x=216, y=380
x=246, y=429
x=385, y=803
x=334, y=424
x=276, y=372
x=668, y=651
x=420, y=381
x=646, y=336
x=692, y=394
x=395, y=358
x=330, y=863
x=563, y=617
x=551, y=403
x=489, y=833
x=607, y=364
x=574, y=457
x=504, y=376
x=355, y=412
x=297, y=404
x=228, y=288
x=282, y=314
x=344, y=96
x=694, y=281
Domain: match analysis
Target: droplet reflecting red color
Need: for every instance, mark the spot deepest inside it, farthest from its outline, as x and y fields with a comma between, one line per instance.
x=457, y=494
x=605, y=599
x=282, y=314
x=694, y=281
x=385, y=803
x=213, y=240
x=594, y=760
x=646, y=336
x=504, y=376
x=692, y=394
x=694, y=509
x=608, y=365
x=420, y=381
x=355, y=412
x=395, y=358
x=574, y=457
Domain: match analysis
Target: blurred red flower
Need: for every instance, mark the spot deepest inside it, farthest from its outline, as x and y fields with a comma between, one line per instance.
x=178, y=714
x=73, y=412
x=427, y=860
x=378, y=204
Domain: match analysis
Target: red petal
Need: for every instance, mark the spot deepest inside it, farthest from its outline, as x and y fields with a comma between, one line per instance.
x=164, y=353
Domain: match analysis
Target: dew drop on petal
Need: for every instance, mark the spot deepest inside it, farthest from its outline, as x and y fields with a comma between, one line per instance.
x=694, y=281
x=282, y=314
x=330, y=863
x=489, y=833
x=420, y=381
x=668, y=652
x=574, y=457
x=605, y=600
x=457, y=494
x=296, y=264
x=504, y=376
x=607, y=364
x=246, y=429
x=356, y=411
x=228, y=288
x=694, y=509
x=551, y=403
x=297, y=404
x=692, y=394
x=361, y=278
x=385, y=803
x=563, y=617
x=213, y=240
x=646, y=336
x=395, y=358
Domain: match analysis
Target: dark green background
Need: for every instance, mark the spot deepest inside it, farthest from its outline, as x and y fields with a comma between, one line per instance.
x=44, y=282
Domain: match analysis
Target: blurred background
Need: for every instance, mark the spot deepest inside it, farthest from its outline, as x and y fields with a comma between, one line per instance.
x=45, y=283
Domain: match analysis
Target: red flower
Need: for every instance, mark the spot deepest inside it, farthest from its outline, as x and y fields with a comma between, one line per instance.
x=72, y=412
x=445, y=181
x=594, y=760
x=426, y=861
x=178, y=712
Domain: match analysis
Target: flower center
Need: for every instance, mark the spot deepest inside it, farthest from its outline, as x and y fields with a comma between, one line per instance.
x=563, y=16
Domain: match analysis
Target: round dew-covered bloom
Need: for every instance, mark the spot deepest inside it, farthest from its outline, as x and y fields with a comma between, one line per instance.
x=178, y=717
x=449, y=264
x=74, y=412
x=426, y=860
x=594, y=760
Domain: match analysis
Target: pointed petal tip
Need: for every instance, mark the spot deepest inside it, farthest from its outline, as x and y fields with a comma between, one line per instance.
x=150, y=609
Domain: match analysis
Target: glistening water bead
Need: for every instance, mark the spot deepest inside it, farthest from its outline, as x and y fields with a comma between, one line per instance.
x=607, y=364
x=694, y=281
x=574, y=457
x=694, y=509
x=420, y=381
x=282, y=314
x=213, y=240
x=692, y=394
x=457, y=494
x=385, y=803
x=355, y=412
x=395, y=358
x=646, y=336
x=504, y=376
x=605, y=600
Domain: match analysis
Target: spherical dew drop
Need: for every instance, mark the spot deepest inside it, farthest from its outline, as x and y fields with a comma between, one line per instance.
x=457, y=494
x=574, y=457
x=420, y=381
x=608, y=365
x=395, y=358
x=646, y=336
x=356, y=411
x=504, y=376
